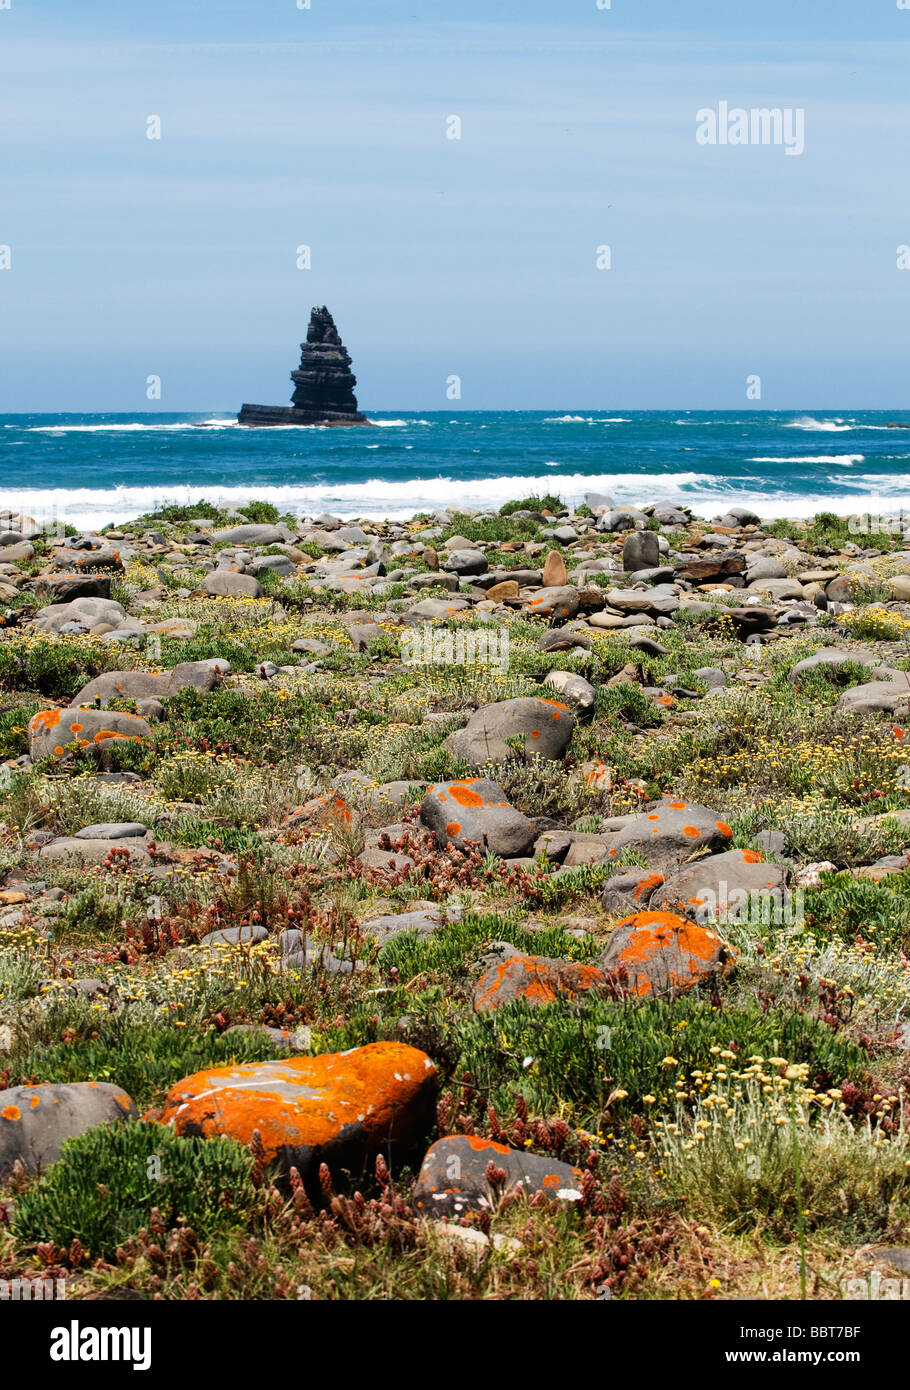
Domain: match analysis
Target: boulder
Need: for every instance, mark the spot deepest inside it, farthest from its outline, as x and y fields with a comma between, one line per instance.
x=563, y=639
x=227, y=584
x=640, y=551
x=748, y=621
x=555, y=574
x=668, y=833
x=719, y=887
x=572, y=847
x=544, y=727
x=778, y=588
x=663, y=954
x=764, y=567
x=52, y=731
x=12, y=554
x=143, y=685
x=835, y=657
x=63, y=588
x=713, y=677
x=434, y=609
x=235, y=936
x=87, y=611
x=339, y=1108
x=536, y=979
x=476, y=809
x=72, y=849
x=35, y=1120
x=112, y=830
x=103, y=559
x=575, y=690
x=466, y=562
x=252, y=533
x=561, y=601
x=701, y=569
x=453, y=1176
x=630, y=891
x=393, y=924
x=506, y=588
x=884, y=695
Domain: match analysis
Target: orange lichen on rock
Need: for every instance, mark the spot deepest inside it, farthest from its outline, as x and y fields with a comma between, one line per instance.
x=320, y=813
x=454, y=1178
x=45, y=719
x=645, y=886
x=663, y=953
x=337, y=1107
x=536, y=979
x=462, y=793
x=79, y=728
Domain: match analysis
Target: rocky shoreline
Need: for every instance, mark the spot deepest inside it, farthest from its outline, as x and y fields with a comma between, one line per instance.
x=486, y=905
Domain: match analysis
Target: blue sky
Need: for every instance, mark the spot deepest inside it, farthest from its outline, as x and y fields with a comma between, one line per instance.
x=475, y=257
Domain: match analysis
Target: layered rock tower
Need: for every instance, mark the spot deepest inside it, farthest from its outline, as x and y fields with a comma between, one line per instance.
x=324, y=383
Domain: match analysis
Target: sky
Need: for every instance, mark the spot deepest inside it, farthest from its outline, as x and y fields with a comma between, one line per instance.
x=476, y=257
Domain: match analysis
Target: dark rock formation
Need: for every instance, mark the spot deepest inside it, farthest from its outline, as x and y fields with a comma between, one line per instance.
x=324, y=383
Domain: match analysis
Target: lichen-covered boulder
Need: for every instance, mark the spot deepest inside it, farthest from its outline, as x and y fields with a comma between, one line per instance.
x=52, y=731
x=670, y=832
x=556, y=601
x=544, y=727
x=476, y=809
x=536, y=979
x=453, y=1178
x=35, y=1120
x=327, y=812
x=630, y=892
x=721, y=885
x=337, y=1109
x=663, y=954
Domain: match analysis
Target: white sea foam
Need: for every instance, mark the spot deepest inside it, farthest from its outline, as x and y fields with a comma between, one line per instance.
x=809, y=422
x=846, y=459
x=149, y=427
x=586, y=420
x=377, y=497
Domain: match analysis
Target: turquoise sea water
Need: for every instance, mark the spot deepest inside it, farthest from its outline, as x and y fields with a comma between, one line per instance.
x=96, y=469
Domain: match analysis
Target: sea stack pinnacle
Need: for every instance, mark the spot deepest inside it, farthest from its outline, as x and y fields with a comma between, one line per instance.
x=324, y=383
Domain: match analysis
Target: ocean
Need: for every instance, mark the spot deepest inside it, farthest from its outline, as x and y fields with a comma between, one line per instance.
x=92, y=470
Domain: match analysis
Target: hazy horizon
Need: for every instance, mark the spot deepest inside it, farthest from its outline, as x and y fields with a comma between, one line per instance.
x=475, y=257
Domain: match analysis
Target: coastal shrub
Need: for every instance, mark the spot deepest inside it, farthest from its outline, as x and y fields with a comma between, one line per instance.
x=547, y=503
x=579, y=1052
x=14, y=729
x=874, y=622
x=260, y=512
x=450, y=949
x=490, y=528
x=848, y=908
x=834, y=833
x=627, y=702
x=175, y=512
x=539, y=787
x=145, y=1059
x=759, y=1148
x=53, y=666
x=107, y=1182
